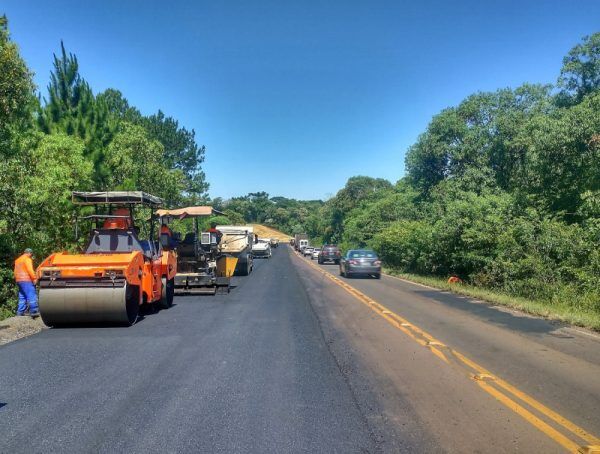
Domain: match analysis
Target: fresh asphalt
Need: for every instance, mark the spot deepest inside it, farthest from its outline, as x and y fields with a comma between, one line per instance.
x=289, y=362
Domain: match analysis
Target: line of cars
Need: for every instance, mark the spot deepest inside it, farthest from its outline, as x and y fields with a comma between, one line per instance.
x=355, y=262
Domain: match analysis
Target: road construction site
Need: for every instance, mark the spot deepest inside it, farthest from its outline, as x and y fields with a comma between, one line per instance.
x=297, y=359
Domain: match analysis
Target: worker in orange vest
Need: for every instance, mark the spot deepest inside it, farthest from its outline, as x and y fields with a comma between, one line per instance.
x=26, y=278
x=217, y=233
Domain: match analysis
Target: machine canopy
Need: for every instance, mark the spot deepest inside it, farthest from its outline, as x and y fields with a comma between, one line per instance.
x=116, y=198
x=189, y=212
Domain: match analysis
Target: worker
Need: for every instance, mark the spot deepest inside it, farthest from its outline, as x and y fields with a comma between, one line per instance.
x=218, y=233
x=26, y=279
x=165, y=230
x=166, y=237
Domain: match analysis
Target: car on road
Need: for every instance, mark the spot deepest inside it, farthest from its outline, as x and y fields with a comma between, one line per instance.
x=274, y=242
x=262, y=248
x=315, y=254
x=307, y=251
x=360, y=262
x=330, y=253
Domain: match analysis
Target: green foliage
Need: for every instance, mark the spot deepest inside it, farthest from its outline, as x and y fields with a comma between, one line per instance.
x=135, y=162
x=180, y=151
x=563, y=152
x=16, y=92
x=288, y=215
x=580, y=74
x=72, y=109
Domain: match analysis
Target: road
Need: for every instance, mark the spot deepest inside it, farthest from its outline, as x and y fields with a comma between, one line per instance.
x=295, y=359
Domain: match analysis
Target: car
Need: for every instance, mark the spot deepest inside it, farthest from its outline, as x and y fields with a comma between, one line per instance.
x=274, y=242
x=308, y=250
x=360, y=262
x=330, y=253
x=262, y=248
x=315, y=254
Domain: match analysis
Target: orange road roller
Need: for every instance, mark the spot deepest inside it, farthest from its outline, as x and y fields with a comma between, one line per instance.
x=116, y=273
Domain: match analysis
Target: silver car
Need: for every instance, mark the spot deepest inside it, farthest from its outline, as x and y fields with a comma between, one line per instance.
x=308, y=250
x=360, y=262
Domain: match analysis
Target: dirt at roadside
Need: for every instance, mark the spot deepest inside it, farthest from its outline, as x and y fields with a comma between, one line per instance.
x=14, y=328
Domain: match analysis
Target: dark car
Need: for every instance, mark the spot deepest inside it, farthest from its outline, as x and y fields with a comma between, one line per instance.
x=360, y=262
x=330, y=253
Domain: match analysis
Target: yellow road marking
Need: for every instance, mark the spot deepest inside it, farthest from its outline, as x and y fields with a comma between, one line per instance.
x=483, y=378
x=529, y=417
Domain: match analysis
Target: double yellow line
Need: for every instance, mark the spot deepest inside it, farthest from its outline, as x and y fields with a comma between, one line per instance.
x=501, y=390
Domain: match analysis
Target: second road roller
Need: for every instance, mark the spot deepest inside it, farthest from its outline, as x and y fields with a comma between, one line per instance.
x=116, y=273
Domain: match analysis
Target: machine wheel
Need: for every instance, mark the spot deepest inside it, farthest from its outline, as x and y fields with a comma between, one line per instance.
x=378, y=276
x=132, y=304
x=168, y=290
x=245, y=269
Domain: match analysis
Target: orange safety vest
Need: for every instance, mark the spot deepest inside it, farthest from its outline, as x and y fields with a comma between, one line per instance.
x=165, y=230
x=24, y=269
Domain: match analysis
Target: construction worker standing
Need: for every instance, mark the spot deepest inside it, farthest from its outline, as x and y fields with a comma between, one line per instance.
x=25, y=277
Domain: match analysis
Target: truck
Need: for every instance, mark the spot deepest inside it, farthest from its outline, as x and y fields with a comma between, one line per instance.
x=300, y=241
x=237, y=241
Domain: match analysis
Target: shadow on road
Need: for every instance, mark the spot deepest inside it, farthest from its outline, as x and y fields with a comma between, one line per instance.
x=491, y=314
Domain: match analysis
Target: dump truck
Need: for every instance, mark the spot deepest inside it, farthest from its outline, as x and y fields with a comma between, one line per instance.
x=202, y=268
x=237, y=241
x=117, y=271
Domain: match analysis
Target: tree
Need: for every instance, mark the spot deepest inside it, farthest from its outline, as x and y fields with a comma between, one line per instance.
x=135, y=161
x=118, y=106
x=56, y=167
x=16, y=92
x=563, y=154
x=580, y=73
x=71, y=108
x=180, y=151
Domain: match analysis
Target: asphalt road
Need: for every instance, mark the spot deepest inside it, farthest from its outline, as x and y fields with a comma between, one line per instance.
x=291, y=361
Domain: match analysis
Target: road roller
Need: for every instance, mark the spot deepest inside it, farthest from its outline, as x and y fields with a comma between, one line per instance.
x=116, y=273
x=202, y=267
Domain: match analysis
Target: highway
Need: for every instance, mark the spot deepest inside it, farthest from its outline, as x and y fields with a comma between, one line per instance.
x=298, y=359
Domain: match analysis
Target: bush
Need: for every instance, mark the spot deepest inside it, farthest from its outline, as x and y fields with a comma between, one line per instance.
x=406, y=245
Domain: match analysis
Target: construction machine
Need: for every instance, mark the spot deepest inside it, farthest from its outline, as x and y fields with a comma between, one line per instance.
x=202, y=267
x=237, y=241
x=117, y=271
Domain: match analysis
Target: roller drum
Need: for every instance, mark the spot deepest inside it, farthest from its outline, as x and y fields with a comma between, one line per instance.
x=88, y=305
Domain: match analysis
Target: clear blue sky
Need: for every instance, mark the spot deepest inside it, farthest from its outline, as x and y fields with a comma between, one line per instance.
x=295, y=97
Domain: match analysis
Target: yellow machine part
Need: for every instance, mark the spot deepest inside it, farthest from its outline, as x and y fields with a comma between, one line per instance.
x=226, y=266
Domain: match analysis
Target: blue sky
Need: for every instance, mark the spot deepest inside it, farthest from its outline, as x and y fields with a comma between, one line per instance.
x=293, y=98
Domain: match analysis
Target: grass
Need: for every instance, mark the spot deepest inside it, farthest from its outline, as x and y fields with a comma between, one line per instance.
x=551, y=311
